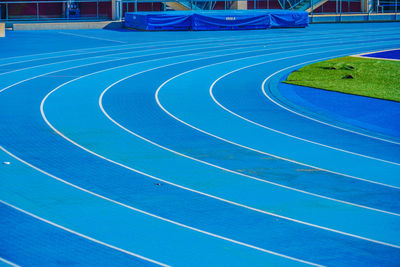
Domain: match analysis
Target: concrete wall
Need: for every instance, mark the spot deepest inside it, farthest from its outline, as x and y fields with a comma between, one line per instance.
x=67, y=25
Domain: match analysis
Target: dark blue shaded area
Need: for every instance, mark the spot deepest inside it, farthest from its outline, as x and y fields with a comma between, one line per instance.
x=28, y=241
x=253, y=105
x=392, y=54
x=370, y=114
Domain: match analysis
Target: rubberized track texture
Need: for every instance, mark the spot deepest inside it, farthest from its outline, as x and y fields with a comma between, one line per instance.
x=178, y=148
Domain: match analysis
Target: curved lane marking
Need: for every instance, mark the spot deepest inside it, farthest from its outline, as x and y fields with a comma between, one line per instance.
x=213, y=165
x=311, y=118
x=8, y=262
x=74, y=232
x=124, y=58
x=326, y=32
x=195, y=42
x=92, y=37
x=259, y=151
x=186, y=188
x=283, y=133
x=147, y=213
x=234, y=39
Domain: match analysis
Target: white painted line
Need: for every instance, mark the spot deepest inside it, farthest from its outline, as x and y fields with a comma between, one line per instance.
x=261, y=152
x=280, y=132
x=196, y=191
x=76, y=233
x=314, y=119
x=122, y=47
x=129, y=46
x=123, y=58
x=8, y=262
x=211, y=196
x=130, y=57
x=147, y=213
x=191, y=42
x=213, y=165
x=92, y=37
x=326, y=32
x=93, y=50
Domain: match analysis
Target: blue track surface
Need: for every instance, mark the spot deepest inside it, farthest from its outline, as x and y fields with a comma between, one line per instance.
x=127, y=149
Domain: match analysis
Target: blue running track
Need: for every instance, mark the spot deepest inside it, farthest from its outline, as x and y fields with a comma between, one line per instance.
x=122, y=148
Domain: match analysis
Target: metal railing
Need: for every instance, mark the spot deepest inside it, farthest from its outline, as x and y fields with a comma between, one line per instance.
x=101, y=9
x=55, y=10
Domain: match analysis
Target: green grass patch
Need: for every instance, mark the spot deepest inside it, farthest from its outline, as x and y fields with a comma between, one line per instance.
x=352, y=75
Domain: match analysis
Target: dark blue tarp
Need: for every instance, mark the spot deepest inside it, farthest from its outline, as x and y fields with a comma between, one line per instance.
x=216, y=20
x=289, y=19
x=158, y=21
x=230, y=21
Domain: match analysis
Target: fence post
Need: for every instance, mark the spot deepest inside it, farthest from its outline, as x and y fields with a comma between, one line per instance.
x=312, y=10
x=97, y=9
x=6, y=11
x=37, y=9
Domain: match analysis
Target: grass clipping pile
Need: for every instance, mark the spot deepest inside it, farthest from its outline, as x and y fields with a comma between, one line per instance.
x=352, y=75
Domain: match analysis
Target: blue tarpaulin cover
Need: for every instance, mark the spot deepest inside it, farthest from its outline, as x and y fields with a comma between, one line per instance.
x=288, y=19
x=215, y=20
x=230, y=21
x=158, y=20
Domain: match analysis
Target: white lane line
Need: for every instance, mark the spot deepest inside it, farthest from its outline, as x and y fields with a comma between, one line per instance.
x=147, y=213
x=168, y=49
x=74, y=232
x=8, y=262
x=92, y=37
x=102, y=56
x=192, y=42
x=327, y=32
x=193, y=190
x=127, y=46
x=131, y=57
x=280, y=132
x=170, y=150
x=217, y=197
x=246, y=147
x=311, y=118
x=130, y=46
x=213, y=165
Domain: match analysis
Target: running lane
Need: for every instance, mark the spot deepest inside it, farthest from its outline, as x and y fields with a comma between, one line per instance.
x=196, y=105
x=252, y=105
x=129, y=150
x=29, y=137
x=130, y=102
x=26, y=134
x=125, y=235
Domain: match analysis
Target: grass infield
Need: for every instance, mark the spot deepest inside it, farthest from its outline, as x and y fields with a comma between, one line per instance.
x=352, y=75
